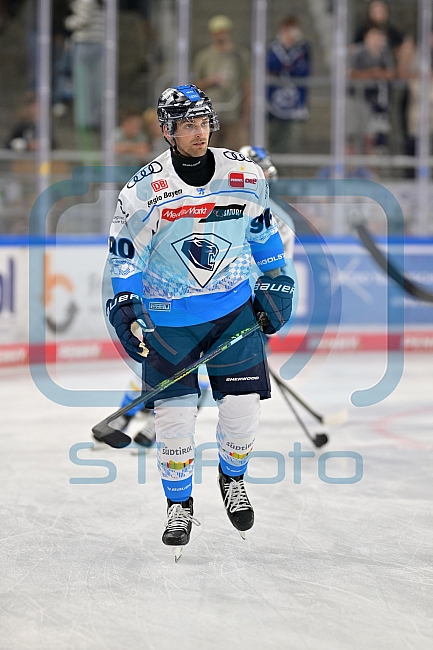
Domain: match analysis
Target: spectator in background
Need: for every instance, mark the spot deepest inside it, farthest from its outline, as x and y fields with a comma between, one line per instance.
x=8, y=10
x=23, y=132
x=412, y=75
x=87, y=26
x=222, y=71
x=61, y=69
x=288, y=57
x=142, y=8
x=61, y=75
x=369, y=104
x=402, y=47
x=131, y=145
x=152, y=128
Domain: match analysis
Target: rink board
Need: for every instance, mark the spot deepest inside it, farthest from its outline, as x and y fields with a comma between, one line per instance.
x=77, y=285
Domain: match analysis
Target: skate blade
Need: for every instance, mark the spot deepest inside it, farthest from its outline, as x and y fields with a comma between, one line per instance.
x=177, y=553
x=242, y=534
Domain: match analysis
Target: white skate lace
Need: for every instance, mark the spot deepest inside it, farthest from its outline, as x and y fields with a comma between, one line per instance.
x=178, y=518
x=236, y=498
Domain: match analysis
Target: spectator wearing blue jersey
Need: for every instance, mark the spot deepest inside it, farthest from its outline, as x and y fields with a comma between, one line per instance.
x=288, y=58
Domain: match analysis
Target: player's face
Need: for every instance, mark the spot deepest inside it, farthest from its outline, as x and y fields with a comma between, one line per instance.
x=192, y=137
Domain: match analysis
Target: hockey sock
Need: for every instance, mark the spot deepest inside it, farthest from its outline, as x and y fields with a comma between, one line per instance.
x=236, y=431
x=174, y=425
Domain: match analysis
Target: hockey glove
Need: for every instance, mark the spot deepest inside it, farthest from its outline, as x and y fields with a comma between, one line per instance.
x=273, y=302
x=127, y=315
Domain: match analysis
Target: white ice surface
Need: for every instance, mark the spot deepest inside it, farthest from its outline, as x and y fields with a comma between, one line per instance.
x=326, y=567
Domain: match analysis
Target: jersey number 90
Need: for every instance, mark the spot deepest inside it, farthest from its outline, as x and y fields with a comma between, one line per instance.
x=123, y=248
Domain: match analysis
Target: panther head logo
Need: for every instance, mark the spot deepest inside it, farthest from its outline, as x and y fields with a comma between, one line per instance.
x=201, y=252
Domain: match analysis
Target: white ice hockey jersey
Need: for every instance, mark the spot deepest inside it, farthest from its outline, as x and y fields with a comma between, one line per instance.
x=187, y=250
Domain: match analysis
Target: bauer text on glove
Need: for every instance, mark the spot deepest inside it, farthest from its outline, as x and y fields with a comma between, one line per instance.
x=273, y=299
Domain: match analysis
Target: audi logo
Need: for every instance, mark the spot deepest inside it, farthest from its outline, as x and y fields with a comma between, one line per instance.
x=152, y=168
x=235, y=155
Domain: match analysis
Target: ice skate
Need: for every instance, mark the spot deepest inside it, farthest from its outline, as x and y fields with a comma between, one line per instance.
x=146, y=436
x=178, y=527
x=238, y=507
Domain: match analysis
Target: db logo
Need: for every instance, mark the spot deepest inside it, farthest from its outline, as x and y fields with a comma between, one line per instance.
x=157, y=186
x=240, y=179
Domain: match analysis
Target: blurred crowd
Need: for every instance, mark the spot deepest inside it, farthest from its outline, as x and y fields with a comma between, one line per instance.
x=382, y=86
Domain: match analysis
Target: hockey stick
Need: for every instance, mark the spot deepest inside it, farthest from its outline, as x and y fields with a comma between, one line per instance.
x=385, y=263
x=330, y=420
x=319, y=439
x=117, y=439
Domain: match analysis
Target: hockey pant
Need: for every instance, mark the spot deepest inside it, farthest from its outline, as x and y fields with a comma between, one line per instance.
x=238, y=420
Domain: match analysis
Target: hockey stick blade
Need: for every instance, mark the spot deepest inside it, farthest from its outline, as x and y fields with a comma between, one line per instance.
x=112, y=437
x=319, y=439
x=103, y=432
x=335, y=419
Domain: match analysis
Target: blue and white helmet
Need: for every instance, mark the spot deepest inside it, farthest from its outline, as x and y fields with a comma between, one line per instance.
x=184, y=103
x=260, y=156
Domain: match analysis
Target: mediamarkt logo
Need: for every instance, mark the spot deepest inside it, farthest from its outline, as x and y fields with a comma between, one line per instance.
x=242, y=179
x=191, y=211
x=157, y=186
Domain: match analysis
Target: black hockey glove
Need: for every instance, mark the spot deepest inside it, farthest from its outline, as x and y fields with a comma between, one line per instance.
x=273, y=301
x=124, y=312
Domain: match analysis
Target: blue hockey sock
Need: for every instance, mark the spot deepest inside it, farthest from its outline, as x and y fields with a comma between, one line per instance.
x=232, y=470
x=178, y=491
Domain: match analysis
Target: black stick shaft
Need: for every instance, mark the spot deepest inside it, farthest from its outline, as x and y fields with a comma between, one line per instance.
x=100, y=428
x=297, y=397
x=292, y=408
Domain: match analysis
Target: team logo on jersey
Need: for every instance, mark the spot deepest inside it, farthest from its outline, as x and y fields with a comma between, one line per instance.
x=188, y=211
x=157, y=186
x=242, y=179
x=202, y=254
x=225, y=213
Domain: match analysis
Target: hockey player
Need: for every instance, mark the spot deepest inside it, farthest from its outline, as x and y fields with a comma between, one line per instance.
x=146, y=435
x=180, y=258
